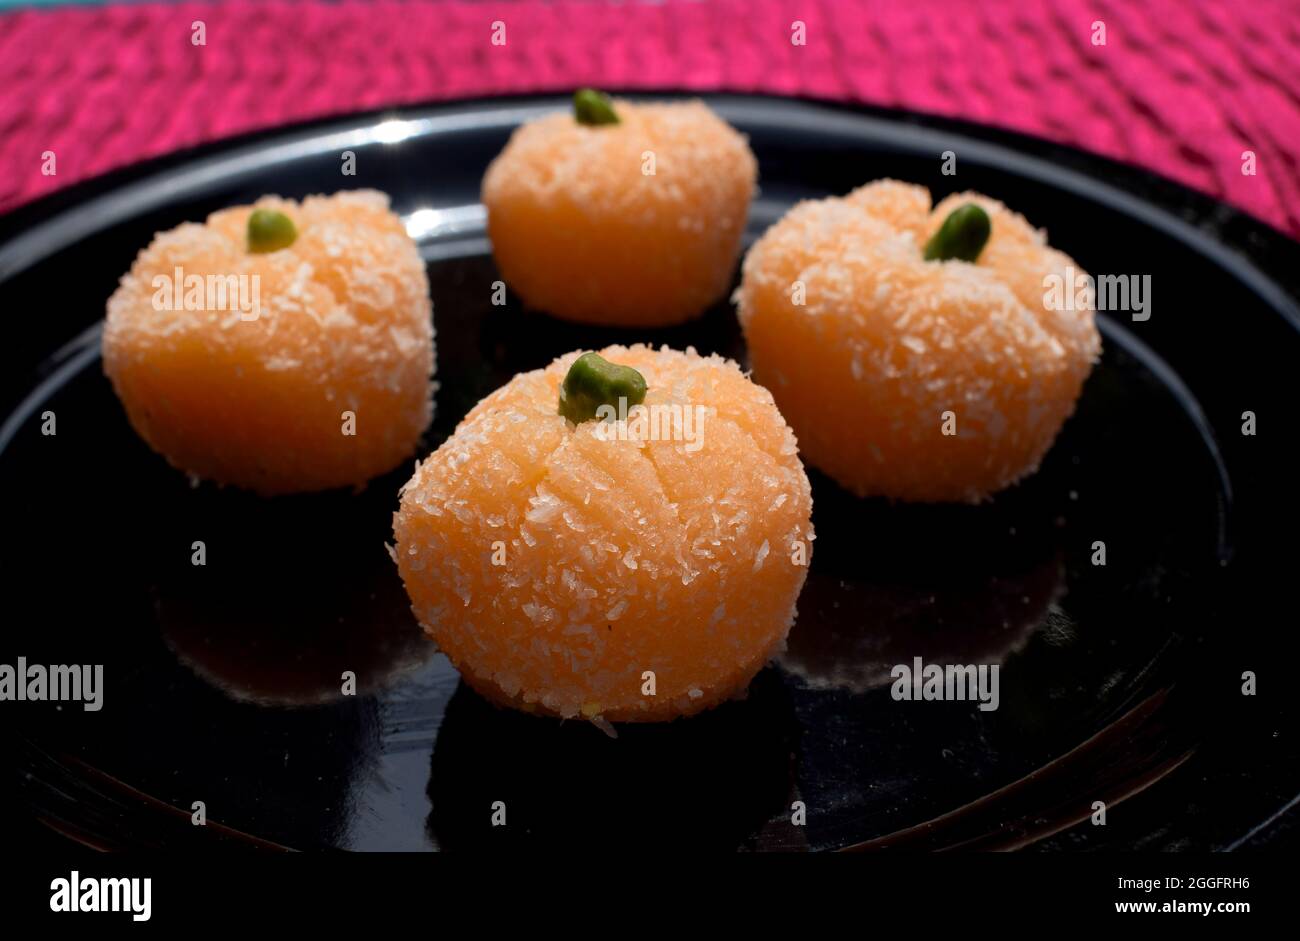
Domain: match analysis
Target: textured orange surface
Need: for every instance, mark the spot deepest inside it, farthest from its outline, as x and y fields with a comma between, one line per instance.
x=344, y=325
x=886, y=343
x=615, y=557
x=580, y=230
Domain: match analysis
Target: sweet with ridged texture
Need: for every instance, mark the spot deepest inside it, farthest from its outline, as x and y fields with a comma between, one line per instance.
x=343, y=325
x=555, y=563
x=581, y=231
x=885, y=343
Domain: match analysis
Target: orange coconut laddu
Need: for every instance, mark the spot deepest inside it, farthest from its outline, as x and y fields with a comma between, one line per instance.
x=281, y=347
x=619, y=213
x=560, y=559
x=912, y=349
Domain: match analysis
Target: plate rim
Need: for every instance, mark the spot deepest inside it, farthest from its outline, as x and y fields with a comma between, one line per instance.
x=1107, y=175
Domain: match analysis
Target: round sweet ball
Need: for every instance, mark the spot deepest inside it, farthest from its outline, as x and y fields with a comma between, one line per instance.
x=914, y=349
x=636, y=222
x=281, y=347
x=634, y=567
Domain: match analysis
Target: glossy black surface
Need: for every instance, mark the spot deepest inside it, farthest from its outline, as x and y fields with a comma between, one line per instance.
x=222, y=682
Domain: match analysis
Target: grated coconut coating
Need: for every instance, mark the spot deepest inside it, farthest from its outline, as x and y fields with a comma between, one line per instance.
x=579, y=231
x=886, y=342
x=345, y=325
x=620, y=556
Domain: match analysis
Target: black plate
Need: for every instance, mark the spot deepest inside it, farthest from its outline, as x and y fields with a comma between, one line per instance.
x=222, y=682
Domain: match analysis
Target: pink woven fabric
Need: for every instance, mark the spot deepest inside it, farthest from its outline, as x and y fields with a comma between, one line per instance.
x=1183, y=87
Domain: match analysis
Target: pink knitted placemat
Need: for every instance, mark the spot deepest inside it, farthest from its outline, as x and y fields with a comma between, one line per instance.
x=1182, y=87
